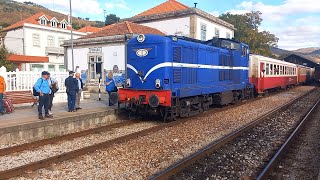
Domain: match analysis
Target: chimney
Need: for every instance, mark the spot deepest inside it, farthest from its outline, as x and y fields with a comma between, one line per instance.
x=195, y=5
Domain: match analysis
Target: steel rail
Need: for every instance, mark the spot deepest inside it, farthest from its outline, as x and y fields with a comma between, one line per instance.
x=282, y=150
x=17, y=171
x=185, y=162
x=53, y=140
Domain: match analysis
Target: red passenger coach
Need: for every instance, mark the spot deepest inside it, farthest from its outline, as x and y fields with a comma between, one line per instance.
x=267, y=73
x=302, y=74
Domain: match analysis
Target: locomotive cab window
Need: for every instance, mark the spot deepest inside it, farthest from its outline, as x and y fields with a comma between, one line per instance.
x=230, y=45
x=244, y=51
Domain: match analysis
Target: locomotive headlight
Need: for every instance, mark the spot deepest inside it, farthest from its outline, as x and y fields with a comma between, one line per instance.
x=141, y=38
x=157, y=83
x=128, y=82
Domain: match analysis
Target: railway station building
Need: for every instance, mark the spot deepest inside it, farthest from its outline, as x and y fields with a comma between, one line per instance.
x=99, y=53
x=175, y=18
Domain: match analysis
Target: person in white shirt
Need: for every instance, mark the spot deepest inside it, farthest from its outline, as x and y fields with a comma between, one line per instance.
x=78, y=95
x=78, y=70
x=53, y=89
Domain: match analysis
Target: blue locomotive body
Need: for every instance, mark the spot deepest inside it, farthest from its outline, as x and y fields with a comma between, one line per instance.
x=186, y=73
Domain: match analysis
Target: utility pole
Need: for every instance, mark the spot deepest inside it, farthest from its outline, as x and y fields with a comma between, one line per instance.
x=71, y=37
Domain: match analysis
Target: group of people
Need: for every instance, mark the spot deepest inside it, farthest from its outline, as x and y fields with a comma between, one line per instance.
x=45, y=87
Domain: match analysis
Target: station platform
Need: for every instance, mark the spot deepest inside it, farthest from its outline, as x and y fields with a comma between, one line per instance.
x=23, y=124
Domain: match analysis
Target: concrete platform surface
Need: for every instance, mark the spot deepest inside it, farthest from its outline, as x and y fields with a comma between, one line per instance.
x=23, y=124
x=28, y=114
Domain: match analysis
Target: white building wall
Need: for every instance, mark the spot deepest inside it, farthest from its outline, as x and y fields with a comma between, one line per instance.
x=111, y=55
x=211, y=29
x=179, y=26
x=44, y=32
x=13, y=41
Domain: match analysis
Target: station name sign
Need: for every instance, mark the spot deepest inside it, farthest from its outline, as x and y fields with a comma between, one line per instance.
x=95, y=50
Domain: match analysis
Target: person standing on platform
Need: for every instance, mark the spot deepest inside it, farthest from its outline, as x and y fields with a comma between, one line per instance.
x=72, y=89
x=110, y=86
x=2, y=92
x=80, y=86
x=53, y=89
x=43, y=88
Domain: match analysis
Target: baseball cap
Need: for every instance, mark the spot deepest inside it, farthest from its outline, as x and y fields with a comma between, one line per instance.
x=45, y=73
x=71, y=72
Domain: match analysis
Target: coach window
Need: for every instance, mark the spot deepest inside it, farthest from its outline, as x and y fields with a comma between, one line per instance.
x=271, y=69
x=267, y=69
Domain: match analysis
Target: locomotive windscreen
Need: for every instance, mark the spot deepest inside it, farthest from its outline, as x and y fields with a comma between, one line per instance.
x=224, y=43
x=230, y=44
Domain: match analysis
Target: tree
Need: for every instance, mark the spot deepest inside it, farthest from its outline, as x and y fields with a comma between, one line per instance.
x=111, y=18
x=247, y=26
x=76, y=26
x=4, y=59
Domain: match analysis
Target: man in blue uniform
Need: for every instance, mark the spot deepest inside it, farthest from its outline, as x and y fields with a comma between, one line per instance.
x=72, y=89
x=43, y=88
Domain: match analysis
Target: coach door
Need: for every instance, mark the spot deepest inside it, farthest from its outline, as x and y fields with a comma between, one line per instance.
x=262, y=75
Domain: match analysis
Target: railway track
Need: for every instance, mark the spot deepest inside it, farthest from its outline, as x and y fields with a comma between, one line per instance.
x=13, y=172
x=175, y=170
x=286, y=145
x=20, y=170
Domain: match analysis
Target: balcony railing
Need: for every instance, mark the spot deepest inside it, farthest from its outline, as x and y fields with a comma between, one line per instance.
x=54, y=50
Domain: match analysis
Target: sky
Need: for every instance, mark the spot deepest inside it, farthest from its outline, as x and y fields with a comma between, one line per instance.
x=295, y=22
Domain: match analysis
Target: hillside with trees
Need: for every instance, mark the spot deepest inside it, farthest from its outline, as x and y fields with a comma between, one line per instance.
x=12, y=12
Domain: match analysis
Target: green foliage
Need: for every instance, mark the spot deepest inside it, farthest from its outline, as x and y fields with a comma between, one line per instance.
x=111, y=19
x=3, y=59
x=247, y=26
x=98, y=24
x=76, y=26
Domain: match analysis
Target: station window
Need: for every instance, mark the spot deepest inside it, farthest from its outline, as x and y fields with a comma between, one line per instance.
x=203, y=32
x=217, y=32
x=43, y=21
x=267, y=69
x=36, y=39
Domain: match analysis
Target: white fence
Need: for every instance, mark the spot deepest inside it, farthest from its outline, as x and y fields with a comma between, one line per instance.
x=25, y=80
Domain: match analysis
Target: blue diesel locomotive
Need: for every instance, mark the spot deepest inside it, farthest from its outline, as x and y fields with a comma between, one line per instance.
x=180, y=77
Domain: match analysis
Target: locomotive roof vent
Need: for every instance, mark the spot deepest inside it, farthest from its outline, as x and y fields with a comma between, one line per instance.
x=141, y=38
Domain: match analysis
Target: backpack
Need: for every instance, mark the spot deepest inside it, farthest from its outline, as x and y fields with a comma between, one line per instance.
x=34, y=91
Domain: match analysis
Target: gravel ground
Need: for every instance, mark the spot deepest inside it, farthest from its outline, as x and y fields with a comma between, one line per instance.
x=248, y=154
x=26, y=157
x=144, y=156
x=302, y=160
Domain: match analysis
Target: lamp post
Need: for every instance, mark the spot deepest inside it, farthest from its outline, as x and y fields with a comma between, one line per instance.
x=71, y=36
x=99, y=75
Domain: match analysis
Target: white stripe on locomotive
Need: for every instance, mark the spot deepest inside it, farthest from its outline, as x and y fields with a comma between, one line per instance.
x=185, y=65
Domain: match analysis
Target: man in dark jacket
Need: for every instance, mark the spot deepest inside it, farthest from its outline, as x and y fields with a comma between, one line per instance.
x=72, y=89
